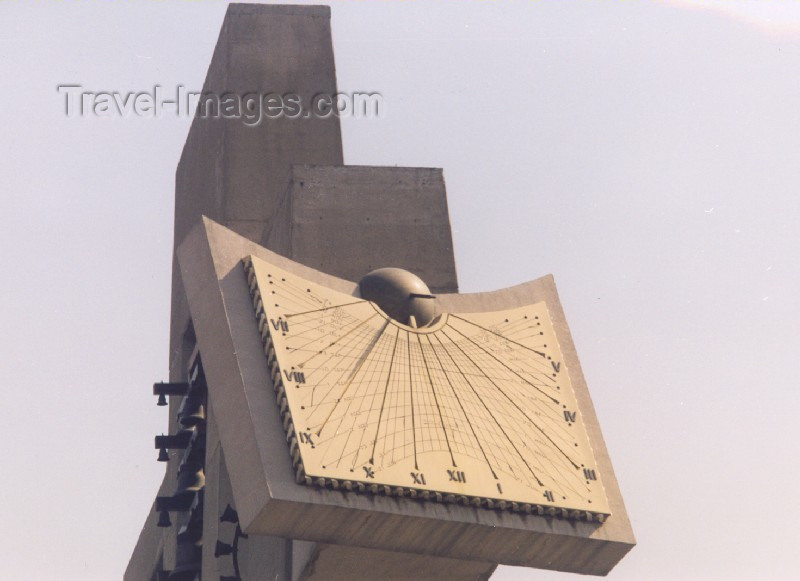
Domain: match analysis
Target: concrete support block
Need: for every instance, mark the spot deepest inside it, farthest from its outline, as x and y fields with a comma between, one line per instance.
x=349, y=220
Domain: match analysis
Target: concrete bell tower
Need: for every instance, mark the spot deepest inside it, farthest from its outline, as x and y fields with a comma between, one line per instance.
x=230, y=506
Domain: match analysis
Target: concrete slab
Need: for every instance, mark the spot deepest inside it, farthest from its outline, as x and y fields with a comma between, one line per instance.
x=269, y=500
x=350, y=220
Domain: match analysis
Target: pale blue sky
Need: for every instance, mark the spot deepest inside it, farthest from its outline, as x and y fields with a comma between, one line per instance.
x=645, y=153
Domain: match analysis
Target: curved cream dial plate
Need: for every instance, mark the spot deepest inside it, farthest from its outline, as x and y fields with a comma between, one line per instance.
x=477, y=408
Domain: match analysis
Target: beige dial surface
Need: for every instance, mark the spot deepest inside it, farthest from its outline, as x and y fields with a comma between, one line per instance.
x=475, y=407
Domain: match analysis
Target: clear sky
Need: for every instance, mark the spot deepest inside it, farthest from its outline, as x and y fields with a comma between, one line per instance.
x=644, y=152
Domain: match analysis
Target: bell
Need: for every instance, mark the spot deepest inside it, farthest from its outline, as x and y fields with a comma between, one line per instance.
x=196, y=449
x=188, y=573
x=196, y=508
x=229, y=515
x=177, y=441
x=188, y=560
x=222, y=549
x=192, y=411
x=163, y=456
x=191, y=478
x=163, y=519
x=162, y=390
x=191, y=531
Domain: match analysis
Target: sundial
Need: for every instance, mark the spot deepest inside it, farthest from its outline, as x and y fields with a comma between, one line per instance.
x=381, y=391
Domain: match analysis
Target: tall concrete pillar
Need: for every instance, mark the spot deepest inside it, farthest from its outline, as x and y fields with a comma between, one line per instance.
x=231, y=170
x=281, y=182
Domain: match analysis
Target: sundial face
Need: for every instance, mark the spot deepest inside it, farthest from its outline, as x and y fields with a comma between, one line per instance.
x=474, y=408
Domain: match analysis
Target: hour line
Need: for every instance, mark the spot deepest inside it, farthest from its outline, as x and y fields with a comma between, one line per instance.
x=361, y=361
x=534, y=386
x=304, y=345
x=411, y=391
x=527, y=417
x=539, y=353
x=369, y=412
x=351, y=346
x=332, y=343
x=461, y=405
x=435, y=398
x=385, y=391
x=326, y=308
x=368, y=372
x=510, y=441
